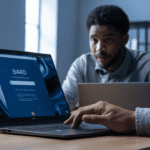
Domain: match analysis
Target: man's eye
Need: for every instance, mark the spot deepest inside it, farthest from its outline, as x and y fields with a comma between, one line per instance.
x=94, y=40
x=108, y=40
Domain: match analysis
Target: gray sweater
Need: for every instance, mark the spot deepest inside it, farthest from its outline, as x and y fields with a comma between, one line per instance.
x=86, y=69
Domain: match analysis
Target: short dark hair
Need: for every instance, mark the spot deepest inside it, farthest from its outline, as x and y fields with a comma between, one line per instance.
x=109, y=15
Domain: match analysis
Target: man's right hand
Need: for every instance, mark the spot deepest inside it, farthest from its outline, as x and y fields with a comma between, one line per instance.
x=113, y=117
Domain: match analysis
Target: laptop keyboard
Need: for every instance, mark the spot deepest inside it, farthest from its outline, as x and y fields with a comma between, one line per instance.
x=43, y=127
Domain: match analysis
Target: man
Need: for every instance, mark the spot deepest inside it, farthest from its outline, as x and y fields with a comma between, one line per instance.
x=109, y=61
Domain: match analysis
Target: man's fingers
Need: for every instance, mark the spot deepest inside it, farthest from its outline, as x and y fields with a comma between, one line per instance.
x=94, y=119
x=77, y=119
x=69, y=120
x=78, y=116
x=76, y=123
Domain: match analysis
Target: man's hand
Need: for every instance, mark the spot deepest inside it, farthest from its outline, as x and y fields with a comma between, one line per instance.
x=113, y=117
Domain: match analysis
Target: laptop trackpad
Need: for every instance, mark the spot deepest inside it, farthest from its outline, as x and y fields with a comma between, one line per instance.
x=84, y=128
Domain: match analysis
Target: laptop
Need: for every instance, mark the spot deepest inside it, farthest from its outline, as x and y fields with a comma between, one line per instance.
x=32, y=101
x=126, y=95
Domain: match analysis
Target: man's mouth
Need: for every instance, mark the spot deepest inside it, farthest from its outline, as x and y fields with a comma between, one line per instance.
x=102, y=57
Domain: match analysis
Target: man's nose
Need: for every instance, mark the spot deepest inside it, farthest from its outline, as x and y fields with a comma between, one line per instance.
x=100, y=46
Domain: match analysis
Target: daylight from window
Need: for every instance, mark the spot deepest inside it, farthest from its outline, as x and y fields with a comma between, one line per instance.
x=41, y=27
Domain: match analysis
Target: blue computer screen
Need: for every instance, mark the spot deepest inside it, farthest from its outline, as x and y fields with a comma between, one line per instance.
x=29, y=86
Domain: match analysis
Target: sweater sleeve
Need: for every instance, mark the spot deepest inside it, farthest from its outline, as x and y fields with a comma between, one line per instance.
x=142, y=119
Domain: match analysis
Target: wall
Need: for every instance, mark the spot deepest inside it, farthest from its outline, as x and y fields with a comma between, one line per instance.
x=66, y=36
x=137, y=10
x=12, y=24
x=72, y=35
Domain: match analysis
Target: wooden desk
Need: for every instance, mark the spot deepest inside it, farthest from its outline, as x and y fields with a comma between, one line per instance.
x=17, y=142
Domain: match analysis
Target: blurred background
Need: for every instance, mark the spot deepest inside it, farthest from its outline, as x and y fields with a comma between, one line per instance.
x=57, y=27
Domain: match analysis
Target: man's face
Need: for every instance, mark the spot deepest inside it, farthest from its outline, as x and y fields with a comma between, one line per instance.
x=106, y=45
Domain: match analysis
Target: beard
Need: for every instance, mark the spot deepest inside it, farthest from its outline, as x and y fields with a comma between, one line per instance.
x=112, y=61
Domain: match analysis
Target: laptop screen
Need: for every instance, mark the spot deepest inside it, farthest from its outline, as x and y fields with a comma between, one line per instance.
x=29, y=86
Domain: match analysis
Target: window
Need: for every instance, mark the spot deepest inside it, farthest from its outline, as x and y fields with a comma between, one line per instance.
x=139, y=36
x=41, y=27
x=32, y=26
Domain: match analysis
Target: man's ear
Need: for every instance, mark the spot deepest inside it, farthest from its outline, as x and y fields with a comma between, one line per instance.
x=125, y=39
